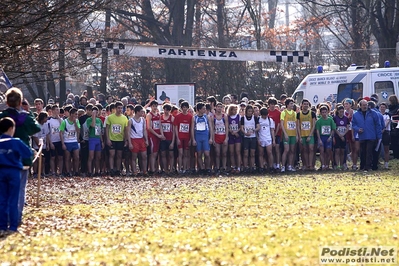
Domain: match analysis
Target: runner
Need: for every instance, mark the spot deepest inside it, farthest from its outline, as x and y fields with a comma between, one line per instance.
x=221, y=139
x=265, y=140
x=306, y=126
x=182, y=127
x=115, y=132
x=289, y=134
x=167, y=145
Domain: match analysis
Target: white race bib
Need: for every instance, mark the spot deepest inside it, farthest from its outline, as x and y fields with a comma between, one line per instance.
x=220, y=130
x=156, y=124
x=341, y=129
x=233, y=127
x=291, y=125
x=55, y=130
x=249, y=130
x=325, y=130
x=116, y=129
x=201, y=126
x=71, y=134
x=184, y=128
x=86, y=134
x=305, y=125
x=166, y=127
x=97, y=131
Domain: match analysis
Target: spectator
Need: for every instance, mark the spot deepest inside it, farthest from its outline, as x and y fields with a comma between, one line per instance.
x=393, y=111
x=101, y=100
x=12, y=151
x=367, y=124
x=26, y=126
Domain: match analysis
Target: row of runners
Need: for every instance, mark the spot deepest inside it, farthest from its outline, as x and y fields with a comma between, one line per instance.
x=251, y=136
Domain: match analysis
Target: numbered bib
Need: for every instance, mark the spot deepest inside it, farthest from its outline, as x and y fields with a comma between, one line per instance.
x=156, y=124
x=220, y=130
x=249, y=130
x=341, y=129
x=305, y=125
x=55, y=130
x=325, y=130
x=184, y=128
x=116, y=129
x=86, y=134
x=97, y=130
x=200, y=126
x=71, y=134
x=291, y=125
x=166, y=127
x=233, y=127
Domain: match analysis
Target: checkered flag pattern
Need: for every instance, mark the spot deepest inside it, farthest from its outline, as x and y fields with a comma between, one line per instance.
x=290, y=56
x=97, y=48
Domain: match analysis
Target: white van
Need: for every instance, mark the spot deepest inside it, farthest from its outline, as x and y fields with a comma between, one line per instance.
x=336, y=86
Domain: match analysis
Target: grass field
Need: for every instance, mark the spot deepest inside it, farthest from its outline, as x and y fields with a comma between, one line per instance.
x=205, y=221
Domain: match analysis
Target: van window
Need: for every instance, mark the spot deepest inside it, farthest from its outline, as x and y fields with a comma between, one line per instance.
x=350, y=90
x=383, y=89
x=298, y=96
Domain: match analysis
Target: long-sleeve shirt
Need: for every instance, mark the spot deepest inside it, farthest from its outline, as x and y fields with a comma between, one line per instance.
x=12, y=151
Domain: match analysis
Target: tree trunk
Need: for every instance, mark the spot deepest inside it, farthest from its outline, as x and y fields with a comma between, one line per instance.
x=387, y=51
x=104, y=55
x=61, y=62
x=178, y=70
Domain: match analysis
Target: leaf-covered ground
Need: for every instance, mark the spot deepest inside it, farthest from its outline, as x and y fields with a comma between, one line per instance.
x=280, y=220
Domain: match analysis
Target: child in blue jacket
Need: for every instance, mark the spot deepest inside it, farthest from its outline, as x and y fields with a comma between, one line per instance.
x=12, y=152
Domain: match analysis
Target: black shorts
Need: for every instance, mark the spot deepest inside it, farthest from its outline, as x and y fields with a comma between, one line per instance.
x=386, y=138
x=339, y=143
x=164, y=145
x=117, y=145
x=249, y=143
x=58, y=151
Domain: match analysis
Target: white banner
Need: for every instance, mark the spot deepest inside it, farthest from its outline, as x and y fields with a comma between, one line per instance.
x=225, y=54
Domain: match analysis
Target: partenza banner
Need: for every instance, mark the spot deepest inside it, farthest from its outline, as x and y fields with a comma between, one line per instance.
x=227, y=54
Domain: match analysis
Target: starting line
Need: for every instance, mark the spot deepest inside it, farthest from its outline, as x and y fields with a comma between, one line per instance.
x=221, y=54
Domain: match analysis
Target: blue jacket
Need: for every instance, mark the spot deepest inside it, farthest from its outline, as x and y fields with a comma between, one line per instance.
x=370, y=122
x=12, y=151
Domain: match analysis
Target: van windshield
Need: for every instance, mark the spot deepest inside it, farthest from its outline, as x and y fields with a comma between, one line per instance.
x=298, y=96
x=350, y=90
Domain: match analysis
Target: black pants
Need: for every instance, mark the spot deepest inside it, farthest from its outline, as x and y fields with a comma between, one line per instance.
x=366, y=154
x=376, y=156
x=84, y=156
x=395, y=143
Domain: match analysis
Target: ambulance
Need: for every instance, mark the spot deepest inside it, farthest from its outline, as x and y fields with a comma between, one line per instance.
x=354, y=83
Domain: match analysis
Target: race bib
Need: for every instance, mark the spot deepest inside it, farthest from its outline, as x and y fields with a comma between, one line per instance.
x=184, y=128
x=220, y=130
x=55, y=130
x=166, y=127
x=325, y=130
x=97, y=131
x=291, y=125
x=341, y=129
x=233, y=127
x=86, y=134
x=156, y=124
x=71, y=134
x=201, y=126
x=249, y=130
x=305, y=125
x=116, y=129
